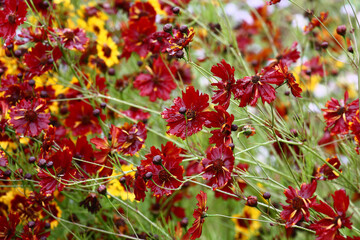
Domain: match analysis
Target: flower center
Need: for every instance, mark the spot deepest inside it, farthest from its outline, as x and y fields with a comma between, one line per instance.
x=85, y=119
x=297, y=203
x=12, y=18
x=131, y=138
x=337, y=221
x=30, y=116
x=255, y=79
x=164, y=176
x=69, y=35
x=217, y=165
x=107, y=50
x=341, y=111
x=190, y=114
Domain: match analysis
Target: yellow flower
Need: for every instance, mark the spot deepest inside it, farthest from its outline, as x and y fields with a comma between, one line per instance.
x=107, y=50
x=115, y=188
x=306, y=83
x=245, y=229
x=157, y=7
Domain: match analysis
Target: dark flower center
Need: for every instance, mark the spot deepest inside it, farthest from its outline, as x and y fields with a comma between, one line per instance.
x=218, y=165
x=255, y=79
x=338, y=221
x=297, y=203
x=226, y=129
x=107, y=51
x=279, y=57
x=85, y=119
x=164, y=176
x=341, y=111
x=190, y=114
x=12, y=18
x=131, y=138
x=30, y=116
x=69, y=35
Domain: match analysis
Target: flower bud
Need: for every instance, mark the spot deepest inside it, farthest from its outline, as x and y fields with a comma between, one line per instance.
x=251, y=201
x=341, y=30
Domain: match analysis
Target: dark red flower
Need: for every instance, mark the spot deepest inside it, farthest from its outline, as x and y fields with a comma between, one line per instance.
x=137, y=114
x=222, y=121
x=3, y=159
x=12, y=15
x=289, y=55
x=290, y=79
x=271, y=2
x=169, y=151
x=131, y=138
x=158, y=83
x=142, y=10
x=41, y=59
x=250, y=89
x=180, y=41
x=74, y=38
x=226, y=73
x=166, y=177
x=81, y=119
x=327, y=173
x=140, y=184
x=30, y=118
x=8, y=226
x=38, y=231
x=199, y=215
x=16, y=90
x=192, y=116
x=338, y=115
x=328, y=227
x=314, y=66
x=159, y=42
x=300, y=202
x=59, y=174
x=136, y=37
x=183, y=72
x=218, y=165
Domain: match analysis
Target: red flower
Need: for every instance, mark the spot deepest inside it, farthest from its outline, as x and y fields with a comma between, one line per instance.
x=187, y=115
x=140, y=184
x=61, y=172
x=136, y=37
x=289, y=55
x=199, y=215
x=339, y=114
x=131, y=138
x=327, y=173
x=250, y=89
x=74, y=38
x=3, y=159
x=328, y=227
x=41, y=59
x=12, y=15
x=81, y=119
x=137, y=114
x=30, y=118
x=166, y=177
x=273, y=2
x=159, y=42
x=8, y=226
x=315, y=22
x=169, y=151
x=218, y=165
x=39, y=231
x=300, y=202
x=221, y=120
x=290, y=79
x=226, y=73
x=314, y=66
x=142, y=10
x=180, y=41
x=158, y=83
x=15, y=90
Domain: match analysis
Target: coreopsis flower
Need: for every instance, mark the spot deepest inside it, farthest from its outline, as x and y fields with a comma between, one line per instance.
x=248, y=131
x=199, y=214
x=222, y=121
x=140, y=184
x=187, y=115
x=8, y=225
x=136, y=37
x=12, y=15
x=3, y=159
x=314, y=66
x=159, y=42
x=300, y=201
x=245, y=229
x=91, y=203
x=38, y=231
x=290, y=79
x=73, y=38
x=250, y=89
x=30, y=117
x=338, y=114
x=354, y=127
x=81, y=119
x=166, y=177
x=180, y=41
x=107, y=50
x=137, y=114
x=183, y=72
x=158, y=82
x=315, y=22
x=225, y=72
x=327, y=173
x=41, y=59
x=218, y=165
x=4, y=108
x=131, y=138
x=169, y=151
x=328, y=227
x=59, y=174
x=142, y=9
x=289, y=55
x=15, y=90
